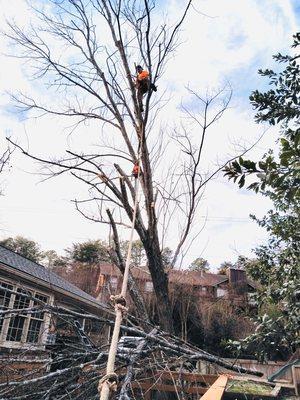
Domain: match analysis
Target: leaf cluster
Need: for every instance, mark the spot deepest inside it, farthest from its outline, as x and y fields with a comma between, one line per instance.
x=280, y=105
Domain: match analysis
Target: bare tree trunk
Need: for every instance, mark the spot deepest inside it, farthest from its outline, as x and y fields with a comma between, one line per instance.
x=134, y=292
x=160, y=284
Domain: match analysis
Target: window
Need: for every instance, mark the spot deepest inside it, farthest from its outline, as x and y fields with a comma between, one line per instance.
x=113, y=282
x=21, y=327
x=21, y=300
x=15, y=329
x=34, y=330
x=4, y=300
x=221, y=292
x=16, y=323
x=36, y=320
x=148, y=286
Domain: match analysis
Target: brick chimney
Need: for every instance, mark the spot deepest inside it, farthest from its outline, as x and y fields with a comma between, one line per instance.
x=236, y=276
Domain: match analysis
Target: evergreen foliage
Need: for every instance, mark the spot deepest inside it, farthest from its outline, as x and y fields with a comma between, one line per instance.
x=89, y=252
x=277, y=267
x=23, y=246
x=199, y=264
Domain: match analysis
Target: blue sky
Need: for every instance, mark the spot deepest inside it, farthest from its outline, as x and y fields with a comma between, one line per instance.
x=228, y=45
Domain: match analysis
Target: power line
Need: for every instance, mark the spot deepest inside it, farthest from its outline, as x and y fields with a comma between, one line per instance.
x=225, y=218
x=48, y=210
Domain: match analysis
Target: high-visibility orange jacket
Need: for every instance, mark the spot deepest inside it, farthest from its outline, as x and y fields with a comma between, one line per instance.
x=135, y=171
x=143, y=75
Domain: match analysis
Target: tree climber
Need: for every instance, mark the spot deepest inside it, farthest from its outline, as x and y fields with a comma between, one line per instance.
x=142, y=84
x=136, y=170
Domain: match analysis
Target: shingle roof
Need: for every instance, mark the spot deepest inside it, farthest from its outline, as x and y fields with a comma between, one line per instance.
x=196, y=278
x=35, y=270
x=175, y=276
x=112, y=270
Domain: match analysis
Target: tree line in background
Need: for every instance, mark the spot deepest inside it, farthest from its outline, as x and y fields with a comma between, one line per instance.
x=97, y=251
x=90, y=252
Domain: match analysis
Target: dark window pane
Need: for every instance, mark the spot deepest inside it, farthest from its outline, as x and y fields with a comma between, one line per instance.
x=4, y=299
x=22, y=301
x=5, y=296
x=15, y=329
x=34, y=331
x=41, y=300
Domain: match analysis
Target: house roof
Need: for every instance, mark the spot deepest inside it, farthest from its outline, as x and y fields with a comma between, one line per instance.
x=196, y=278
x=112, y=270
x=35, y=270
x=175, y=276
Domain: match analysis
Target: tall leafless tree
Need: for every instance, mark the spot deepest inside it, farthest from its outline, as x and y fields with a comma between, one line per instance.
x=85, y=50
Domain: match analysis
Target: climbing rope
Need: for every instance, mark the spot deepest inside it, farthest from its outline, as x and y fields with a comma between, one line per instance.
x=109, y=381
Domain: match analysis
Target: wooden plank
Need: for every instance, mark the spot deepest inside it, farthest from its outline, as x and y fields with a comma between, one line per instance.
x=208, y=379
x=215, y=392
x=160, y=381
x=296, y=378
x=167, y=388
x=275, y=392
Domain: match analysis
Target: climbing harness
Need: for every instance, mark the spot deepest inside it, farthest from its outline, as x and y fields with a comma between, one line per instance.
x=143, y=85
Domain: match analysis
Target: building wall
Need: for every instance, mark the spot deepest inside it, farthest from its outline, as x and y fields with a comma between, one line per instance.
x=16, y=365
x=24, y=331
x=19, y=354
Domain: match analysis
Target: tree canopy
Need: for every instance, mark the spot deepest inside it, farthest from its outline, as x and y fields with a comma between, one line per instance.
x=89, y=252
x=277, y=106
x=199, y=264
x=23, y=246
x=224, y=266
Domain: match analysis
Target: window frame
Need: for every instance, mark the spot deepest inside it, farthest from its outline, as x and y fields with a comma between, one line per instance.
x=45, y=321
x=5, y=305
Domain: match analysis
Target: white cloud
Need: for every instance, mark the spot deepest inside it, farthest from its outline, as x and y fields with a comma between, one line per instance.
x=237, y=34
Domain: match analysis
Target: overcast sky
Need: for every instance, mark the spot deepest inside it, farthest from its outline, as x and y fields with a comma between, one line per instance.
x=222, y=42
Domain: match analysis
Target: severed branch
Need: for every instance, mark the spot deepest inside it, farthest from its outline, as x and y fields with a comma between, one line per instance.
x=168, y=343
x=130, y=367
